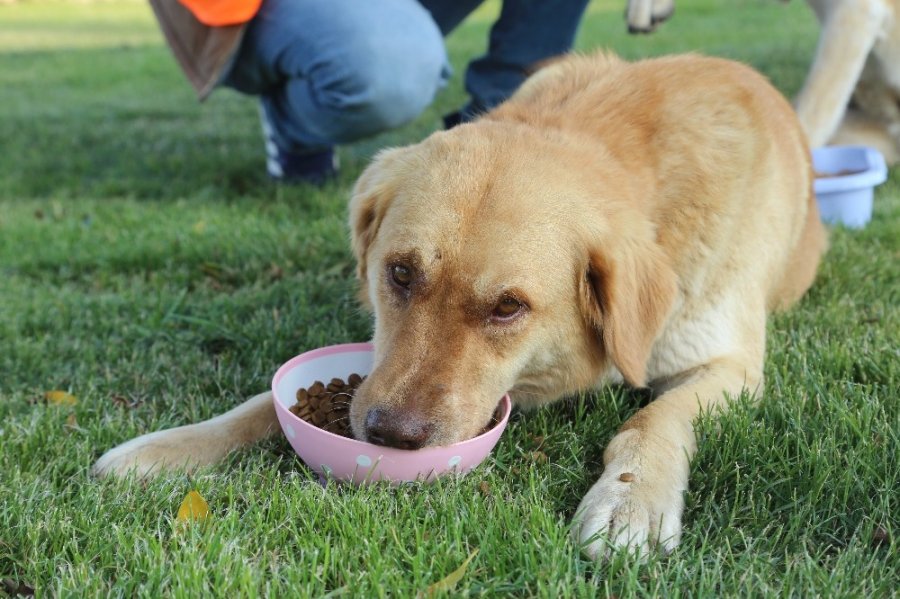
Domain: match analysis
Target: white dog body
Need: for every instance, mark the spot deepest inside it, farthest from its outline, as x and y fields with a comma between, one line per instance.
x=852, y=92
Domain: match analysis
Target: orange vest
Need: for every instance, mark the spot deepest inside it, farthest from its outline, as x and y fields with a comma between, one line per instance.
x=218, y=13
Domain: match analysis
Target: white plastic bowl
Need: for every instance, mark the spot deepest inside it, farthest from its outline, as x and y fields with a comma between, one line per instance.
x=344, y=459
x=846, y=190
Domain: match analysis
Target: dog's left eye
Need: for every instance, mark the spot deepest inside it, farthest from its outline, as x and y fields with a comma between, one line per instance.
x=506, y=308
x=401, y=275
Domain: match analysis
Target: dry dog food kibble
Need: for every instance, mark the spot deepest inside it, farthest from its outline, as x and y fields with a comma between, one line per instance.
x=496, y=417
x=840, y=173
x=328, y=406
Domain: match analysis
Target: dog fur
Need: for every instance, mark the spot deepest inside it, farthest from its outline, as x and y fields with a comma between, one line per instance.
x=851, y=95
x=612, y=222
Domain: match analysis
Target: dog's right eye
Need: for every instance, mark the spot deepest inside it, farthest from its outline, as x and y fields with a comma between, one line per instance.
x=401, y=276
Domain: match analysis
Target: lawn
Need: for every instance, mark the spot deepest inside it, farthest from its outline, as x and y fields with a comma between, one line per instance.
x=149, y=268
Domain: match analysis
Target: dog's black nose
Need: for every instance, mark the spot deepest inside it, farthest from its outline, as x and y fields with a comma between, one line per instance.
x=400, y=429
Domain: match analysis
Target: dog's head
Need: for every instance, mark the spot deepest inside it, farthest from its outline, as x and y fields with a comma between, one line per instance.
x=495, y=259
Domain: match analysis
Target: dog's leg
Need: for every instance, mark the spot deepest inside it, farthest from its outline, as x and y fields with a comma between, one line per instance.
x=874, y=119
x=849, y=32
x=861, y=129
x=637, y=502
x=643, y=16
x=192, y=446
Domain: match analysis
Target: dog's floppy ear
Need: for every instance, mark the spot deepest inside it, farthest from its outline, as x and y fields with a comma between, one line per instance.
x=631, y=289
x=372, y=195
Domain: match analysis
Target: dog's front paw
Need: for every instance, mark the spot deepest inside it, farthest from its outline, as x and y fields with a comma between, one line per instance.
x=636, y=504
x=620, y=510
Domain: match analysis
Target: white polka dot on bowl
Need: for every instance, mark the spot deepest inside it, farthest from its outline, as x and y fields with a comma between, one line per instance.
x=364, y=461
x=454, y=461
x=289, y=431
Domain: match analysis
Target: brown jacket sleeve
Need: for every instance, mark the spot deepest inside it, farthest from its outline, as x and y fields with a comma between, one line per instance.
x=202, y=51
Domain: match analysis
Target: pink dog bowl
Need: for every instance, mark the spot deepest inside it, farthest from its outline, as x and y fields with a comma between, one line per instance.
x=334, y=456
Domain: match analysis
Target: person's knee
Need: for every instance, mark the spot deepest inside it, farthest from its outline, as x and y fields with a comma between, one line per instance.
x=380, y=89
x=370, y=67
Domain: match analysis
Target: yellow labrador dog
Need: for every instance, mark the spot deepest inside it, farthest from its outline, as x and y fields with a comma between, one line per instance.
x=852, y=91
x=612, y=222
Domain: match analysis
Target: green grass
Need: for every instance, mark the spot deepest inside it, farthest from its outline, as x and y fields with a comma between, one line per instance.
x=144, y=255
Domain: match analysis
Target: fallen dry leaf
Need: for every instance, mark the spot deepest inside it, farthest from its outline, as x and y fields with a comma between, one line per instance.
x=880, y=536
x=448, y=583
x=15, y=588
x=60, y=398
x=537, y=441
x=539, y=457
x=275, y=272
x=193, y=509
x=71, y=422
x=123, y=402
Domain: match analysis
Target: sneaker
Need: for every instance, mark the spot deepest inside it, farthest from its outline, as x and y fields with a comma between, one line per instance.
x=453, y=119
x=316, y=167
x=468, y=113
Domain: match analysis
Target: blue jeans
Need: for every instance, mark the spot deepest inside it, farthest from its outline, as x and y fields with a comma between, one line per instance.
x=335, y=71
